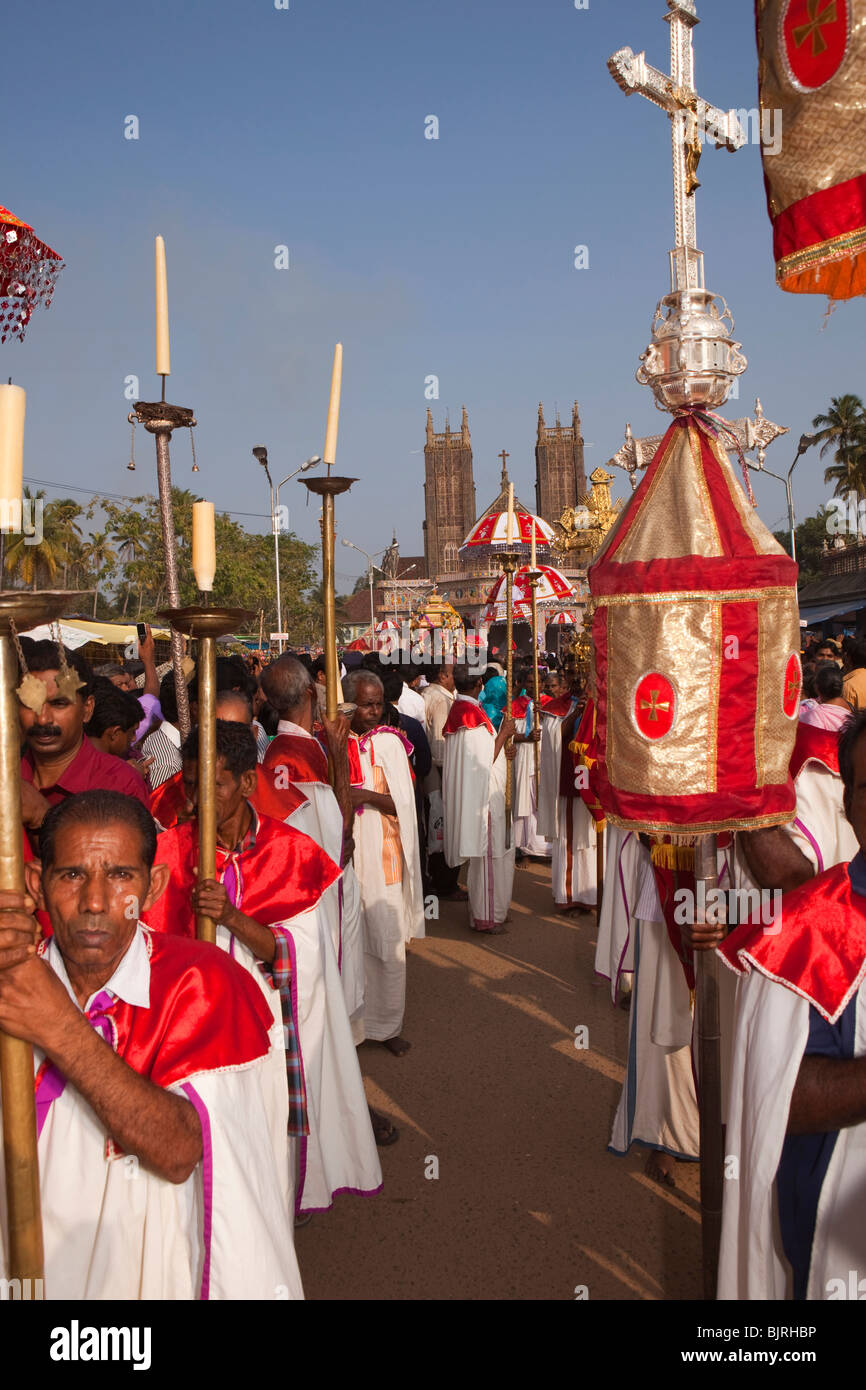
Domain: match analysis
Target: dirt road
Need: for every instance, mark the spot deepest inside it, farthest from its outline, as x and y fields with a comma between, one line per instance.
x=496, y=1099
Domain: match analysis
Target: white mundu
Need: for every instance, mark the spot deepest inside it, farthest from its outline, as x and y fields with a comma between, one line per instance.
x=565, y=820
x=114, y=1230
x=388, y=865
x=473, y=790
x=526, y=836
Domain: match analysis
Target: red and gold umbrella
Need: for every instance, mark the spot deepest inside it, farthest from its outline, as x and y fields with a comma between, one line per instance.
x=553, y=587
x=28, y=274
x=492, y=530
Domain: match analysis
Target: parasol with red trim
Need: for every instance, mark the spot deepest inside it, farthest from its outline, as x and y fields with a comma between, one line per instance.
x=28, y=275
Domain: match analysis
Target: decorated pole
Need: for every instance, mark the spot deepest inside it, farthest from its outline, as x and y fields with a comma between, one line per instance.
x=19, y=610
x=328, y=488
x=688, y=544
x=160, y=419
x=509, y=565
x=534, y=577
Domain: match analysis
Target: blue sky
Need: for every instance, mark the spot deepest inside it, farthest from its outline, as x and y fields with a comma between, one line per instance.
x=305, y=127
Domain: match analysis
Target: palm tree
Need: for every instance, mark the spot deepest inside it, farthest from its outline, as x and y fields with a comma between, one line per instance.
x=843, y=429
x=101, y=554
x=40, y=545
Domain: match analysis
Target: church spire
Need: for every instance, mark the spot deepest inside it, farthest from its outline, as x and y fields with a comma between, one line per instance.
x=464, y=427
x=540, y=421
x=429, y=426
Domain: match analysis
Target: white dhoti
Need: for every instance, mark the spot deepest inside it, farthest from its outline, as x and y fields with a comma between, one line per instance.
x=525, y=821
x=614, y=951
x=573, y=867
x=658, y=1106
x=391, y=912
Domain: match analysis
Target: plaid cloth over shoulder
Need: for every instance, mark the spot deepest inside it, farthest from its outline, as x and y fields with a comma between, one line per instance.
x=280, y=972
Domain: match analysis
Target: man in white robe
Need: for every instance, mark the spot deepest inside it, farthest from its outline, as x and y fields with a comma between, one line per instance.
x=527, y=839
x=296, y=762
x=162, y=1150
x=268, y=901
x=563, y=816
x=794, y=1221
x=473, y=790
x=387, y=861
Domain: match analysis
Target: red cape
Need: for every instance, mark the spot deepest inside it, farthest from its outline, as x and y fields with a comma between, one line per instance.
x=168, y=800
x=814, y=745
x=303, y=759
x=816, y=945
x=277, y=802
x=463, y=714
x=285, y=874
x=206, y=1013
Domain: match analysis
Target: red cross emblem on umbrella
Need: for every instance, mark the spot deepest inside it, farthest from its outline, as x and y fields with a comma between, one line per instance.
x=654, y=705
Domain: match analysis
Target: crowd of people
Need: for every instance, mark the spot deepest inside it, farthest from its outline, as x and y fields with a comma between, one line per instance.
x=177, y=1155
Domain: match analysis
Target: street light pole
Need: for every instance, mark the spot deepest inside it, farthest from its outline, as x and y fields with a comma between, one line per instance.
x=261, y=453
x=369, y=558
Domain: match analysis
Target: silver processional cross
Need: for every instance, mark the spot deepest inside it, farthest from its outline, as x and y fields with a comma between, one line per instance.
x=690, y=117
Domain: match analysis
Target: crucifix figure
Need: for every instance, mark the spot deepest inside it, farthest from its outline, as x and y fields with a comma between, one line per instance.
x=690, y=117
x=504, y=455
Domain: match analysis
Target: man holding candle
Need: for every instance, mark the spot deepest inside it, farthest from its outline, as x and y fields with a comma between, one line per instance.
x=269, y=902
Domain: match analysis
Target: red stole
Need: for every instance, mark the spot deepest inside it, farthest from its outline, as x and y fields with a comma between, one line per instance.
x=816, y=946
x=464, y=714
x=559, y=707
x=283, y=875
x=519, y=706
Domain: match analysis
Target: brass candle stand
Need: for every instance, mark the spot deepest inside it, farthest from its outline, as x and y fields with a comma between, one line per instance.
x=328, y=488
x=509, y=561
x=159, y=419
x=25, y=610
x=206, y=625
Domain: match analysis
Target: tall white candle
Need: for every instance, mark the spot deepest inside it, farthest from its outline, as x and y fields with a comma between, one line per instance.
x=329, y=455
x=163, y=355
x=532, y=561
x=13, y=402
x=203, y=544
x=510, y=536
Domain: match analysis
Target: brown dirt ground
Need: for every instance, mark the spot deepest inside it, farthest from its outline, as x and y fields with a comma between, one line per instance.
x=528, y=1203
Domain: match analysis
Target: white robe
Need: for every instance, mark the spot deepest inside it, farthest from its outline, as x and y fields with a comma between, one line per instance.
x=392, y=914
x=771, y=1033
x=566, y=821
x=526, y=836
x=614, y=951
x=473, y=790
x=113, y=1230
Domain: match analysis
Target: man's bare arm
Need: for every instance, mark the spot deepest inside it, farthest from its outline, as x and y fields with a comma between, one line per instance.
x=830, y=1094
x=774, y=861
x=162, y=1130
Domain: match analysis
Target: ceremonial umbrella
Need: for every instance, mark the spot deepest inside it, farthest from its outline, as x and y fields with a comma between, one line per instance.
x=564, y=619
x=28, y=274
x=388, y=625
x=492, y=530
x=360, y=644
x=553, y=587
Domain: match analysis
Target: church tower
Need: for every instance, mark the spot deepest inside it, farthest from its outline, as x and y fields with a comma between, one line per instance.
x=560, y=480
x=449, y=496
